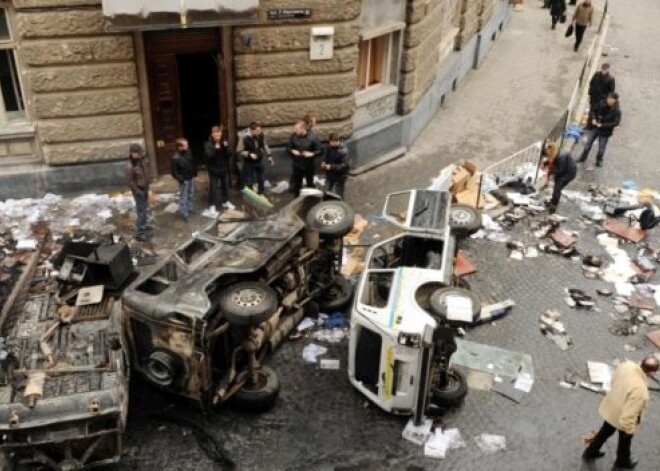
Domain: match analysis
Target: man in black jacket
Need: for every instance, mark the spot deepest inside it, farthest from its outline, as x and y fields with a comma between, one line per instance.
x=562, y=168
x=336, y=164
x=303, y=147
x=184, y=171
x=604, y=118
x=217, y=153
x=253, y=148
x=601, y=85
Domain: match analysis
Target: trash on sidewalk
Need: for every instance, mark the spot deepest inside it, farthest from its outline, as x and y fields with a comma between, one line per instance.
x=553, y=329
x=463, y=266
x=311, y=352
x=336, y=320
x=490, y=444
x=600, y=373
x=417, y=434
x=563, y=239
x=352, y=260
x=305, y=324
x=579, y=299
x=441, y=441
x=654, y=337
x=280, y=187
x=493, y=312
x=329, y=363
x=624, y=231
x=171, y=208
x=360, y=224
x=330, y=335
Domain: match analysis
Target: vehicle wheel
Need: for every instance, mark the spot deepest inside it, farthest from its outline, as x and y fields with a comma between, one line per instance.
x=464, y=220
x=331, y=218
x=163, y=368
x=248, y=303
x=453, y=393
x=438, y=303
x=337, y=297
x=261, y=395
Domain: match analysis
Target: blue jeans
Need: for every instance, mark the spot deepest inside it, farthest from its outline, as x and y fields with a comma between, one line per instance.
x=141, y=204
x=602, y=145
x=252, y=170
x=186, y=197
x=214, y=180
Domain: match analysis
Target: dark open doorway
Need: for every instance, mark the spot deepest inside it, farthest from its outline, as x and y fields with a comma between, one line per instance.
x=198, y=85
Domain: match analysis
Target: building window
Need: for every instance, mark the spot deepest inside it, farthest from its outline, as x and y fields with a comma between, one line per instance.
x=378, y=61
x=12, y=108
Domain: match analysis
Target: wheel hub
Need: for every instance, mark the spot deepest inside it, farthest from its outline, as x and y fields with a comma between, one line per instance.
x=329, y=216
x=461, y=217
x=248, y=297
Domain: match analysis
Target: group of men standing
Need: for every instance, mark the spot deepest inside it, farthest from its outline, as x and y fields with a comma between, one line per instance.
x=253, y=154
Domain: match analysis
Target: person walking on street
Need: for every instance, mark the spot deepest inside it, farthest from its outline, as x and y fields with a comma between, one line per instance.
x=582, y=17
x=557, y=12
x=604, y=118
x=303, y=147
x=601, y=85
x=336, y=164
x=622, y=408
x=562, y=168
x=138, y=179
x=254, y=149
x=217, y=153
x=184, y=170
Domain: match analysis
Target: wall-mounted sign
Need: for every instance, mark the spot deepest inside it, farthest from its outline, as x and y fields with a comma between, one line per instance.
x=321, y=44
x=289, y=14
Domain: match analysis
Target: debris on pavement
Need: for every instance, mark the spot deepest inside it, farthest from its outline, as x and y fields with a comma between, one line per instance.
x=441, y=441
x=418, y=434
x=493, y=312
x=490, y=444
x=553, y=329
x=311, y=352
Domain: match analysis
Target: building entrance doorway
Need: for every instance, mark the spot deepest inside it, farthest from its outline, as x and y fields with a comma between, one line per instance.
x=187, y=89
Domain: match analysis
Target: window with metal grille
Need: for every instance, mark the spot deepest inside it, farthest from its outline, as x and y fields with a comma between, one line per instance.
x=12, y=108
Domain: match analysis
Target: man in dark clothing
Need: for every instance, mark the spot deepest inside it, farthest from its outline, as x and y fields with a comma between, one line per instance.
x=253, y=149
x=562, y=168
x=557, y=11
x=336, y=164
x=184, y=171
x=303, y=147
x=604, y=118
x=217, y=153
x=601, y=85
x=137, y=179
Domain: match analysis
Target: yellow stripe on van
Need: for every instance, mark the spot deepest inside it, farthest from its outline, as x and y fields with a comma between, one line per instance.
x=389, y=372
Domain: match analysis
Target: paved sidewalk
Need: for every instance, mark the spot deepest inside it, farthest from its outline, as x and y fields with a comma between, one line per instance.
x=512, y=100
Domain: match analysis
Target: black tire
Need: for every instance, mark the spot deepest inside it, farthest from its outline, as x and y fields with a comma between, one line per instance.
x=259, y=396
x=464, y=220
x=331, y=218
x=438, y=303
x=453, y=393
x=248, y=303
x=337, y=297
x=163, y=368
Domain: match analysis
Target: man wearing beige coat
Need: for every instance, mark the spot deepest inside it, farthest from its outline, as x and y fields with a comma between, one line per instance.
x=622, y=409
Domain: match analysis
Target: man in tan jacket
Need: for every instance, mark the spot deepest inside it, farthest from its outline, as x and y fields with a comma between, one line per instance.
x=582, y=17
x=622, y=409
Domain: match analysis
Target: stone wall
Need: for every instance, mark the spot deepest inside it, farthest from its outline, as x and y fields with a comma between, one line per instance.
x=469, y=21
x=81, y=83
x=275, y=81
x=486, y=12
x=429, y=25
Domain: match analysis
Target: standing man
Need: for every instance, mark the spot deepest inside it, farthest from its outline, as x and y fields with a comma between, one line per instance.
x=601, y=85
x=604, y=118
x=557, y=11
x=217, y=153
x=336, y=164
x=184, y=171
x=622, y=409
x=254, y=149
x=562, y=169
x=138, y=179
x=303, y=147
x=582, y=17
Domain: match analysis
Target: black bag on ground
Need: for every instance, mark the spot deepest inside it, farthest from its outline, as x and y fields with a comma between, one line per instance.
x=648, y=220
x=569, y=30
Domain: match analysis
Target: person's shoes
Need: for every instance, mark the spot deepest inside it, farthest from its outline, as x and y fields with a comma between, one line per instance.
x=554, y=26
x=228, y=205
x=629, y=465
x=141, y=238
x=581, y=160
x=599, y=164
x=588, y=456
x=575, y=48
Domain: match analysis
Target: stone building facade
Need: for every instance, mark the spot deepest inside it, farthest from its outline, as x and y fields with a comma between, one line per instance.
x=82, y=79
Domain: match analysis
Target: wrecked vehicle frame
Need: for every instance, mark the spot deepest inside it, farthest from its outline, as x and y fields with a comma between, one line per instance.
x=200, y=323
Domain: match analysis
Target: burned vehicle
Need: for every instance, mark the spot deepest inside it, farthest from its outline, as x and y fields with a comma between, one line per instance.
x=200, y=323
x=408, y=304
x=63, y=375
